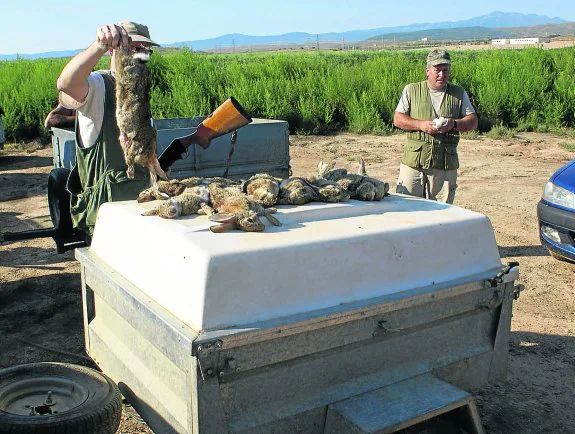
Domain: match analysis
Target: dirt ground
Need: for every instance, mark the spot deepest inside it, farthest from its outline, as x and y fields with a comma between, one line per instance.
x=40, y=302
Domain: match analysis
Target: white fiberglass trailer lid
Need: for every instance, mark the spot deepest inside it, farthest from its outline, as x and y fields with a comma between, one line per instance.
x=323, y=255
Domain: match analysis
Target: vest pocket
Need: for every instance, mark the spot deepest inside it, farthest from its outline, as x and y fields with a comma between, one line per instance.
x=84, y=209
x=451, y=157
x=412, y=154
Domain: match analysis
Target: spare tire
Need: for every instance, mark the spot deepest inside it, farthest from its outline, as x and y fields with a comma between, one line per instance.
x=48, y=398
x=59, y=201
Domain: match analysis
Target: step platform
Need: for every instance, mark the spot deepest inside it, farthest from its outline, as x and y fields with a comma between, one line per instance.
x=422, y=402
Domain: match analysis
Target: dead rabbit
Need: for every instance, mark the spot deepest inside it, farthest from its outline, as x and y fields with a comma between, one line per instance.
x=189, y=202
x=235, y=210
x=263, y=188
x=359, y=186
x=133, y=113
x=298, y=191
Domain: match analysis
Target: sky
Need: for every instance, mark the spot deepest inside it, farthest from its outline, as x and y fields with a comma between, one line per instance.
x=31, y=26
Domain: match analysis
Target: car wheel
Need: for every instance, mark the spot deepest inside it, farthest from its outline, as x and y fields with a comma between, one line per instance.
x=48, y=398
x=59, y=201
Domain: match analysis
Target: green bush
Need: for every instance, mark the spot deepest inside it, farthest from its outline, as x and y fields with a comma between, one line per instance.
x=320, y=92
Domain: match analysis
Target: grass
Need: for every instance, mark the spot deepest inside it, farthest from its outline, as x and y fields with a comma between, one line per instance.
x=568, y=145
x=500, y=132
x=321, y=92
x=29, y=147
x=470, y=135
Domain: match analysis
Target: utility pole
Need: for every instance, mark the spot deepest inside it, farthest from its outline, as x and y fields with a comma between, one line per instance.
x=234, y=44
x=317, y=42
x=342, y=44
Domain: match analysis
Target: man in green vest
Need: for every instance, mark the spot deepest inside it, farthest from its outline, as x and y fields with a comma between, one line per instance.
x=433, y=112
x=100, y=172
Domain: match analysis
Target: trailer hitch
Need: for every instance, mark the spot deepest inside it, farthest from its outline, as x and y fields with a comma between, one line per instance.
x=517, y=290
x=494, y=281
x=64, y=242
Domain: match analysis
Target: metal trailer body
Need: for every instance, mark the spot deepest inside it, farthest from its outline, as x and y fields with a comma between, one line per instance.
x=262, y=146
x=369, y=360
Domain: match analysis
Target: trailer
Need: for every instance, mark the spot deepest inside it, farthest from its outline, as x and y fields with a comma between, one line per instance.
x=357, y=317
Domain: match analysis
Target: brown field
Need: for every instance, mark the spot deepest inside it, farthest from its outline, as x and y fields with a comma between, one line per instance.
x=563, y=42
x=40, y=302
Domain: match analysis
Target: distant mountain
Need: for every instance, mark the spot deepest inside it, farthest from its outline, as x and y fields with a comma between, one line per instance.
x=454, y=34
x=49, y=54
x=492, y=20
x=478, y=33
x=509, y=19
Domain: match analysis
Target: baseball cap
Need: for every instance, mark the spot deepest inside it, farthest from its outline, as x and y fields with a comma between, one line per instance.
x=137, y=32
x=438, y=57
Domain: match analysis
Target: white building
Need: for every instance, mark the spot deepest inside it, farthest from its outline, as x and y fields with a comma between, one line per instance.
x=528, y=41
x=519, y=41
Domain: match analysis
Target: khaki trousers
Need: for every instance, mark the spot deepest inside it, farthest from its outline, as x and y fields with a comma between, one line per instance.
x=442, y=183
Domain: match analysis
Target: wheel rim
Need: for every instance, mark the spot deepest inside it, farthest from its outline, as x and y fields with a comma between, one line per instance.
x=42, y=396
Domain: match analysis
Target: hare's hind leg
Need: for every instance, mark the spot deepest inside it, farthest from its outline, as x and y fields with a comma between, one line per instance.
x=205, y=209
x=155, y=165
x=153, y=211
x=154, y=180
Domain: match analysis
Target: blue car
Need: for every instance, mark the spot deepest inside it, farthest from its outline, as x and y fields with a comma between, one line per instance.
x=556, y=213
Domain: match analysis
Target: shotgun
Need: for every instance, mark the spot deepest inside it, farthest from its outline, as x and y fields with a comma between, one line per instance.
x=226, y=118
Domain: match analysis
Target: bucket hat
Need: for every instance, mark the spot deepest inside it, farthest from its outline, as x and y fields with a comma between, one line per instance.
x=137, y=32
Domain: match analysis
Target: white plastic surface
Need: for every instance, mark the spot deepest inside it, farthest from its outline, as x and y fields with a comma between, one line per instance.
x=322, y=256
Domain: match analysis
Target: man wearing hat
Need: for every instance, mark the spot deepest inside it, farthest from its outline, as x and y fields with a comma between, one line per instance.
x=100, y=172
x=433, y=112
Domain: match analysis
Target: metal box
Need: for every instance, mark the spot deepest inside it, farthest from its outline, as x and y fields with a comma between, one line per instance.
x=64, y=148
x=261, y=146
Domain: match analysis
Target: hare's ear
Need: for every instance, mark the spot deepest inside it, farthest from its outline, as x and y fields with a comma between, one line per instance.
x=223, y=218
x=361, y=168
x=274, y=221
x=322, y=169
x=224, y=227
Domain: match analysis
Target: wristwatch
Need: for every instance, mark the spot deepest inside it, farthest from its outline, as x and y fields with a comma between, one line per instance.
x=454, y=125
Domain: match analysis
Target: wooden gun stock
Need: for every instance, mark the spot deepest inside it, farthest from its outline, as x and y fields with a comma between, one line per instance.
x=226, y=118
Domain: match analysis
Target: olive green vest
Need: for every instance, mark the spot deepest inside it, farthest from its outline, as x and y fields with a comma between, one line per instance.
x=99, y=175
x=424, y=151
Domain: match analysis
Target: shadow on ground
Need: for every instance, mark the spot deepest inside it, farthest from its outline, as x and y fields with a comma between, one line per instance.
x=41, y=320
x=36, y=257
x=518, y=251
x=22, y=185
x=18, y=162
x=540, y=384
